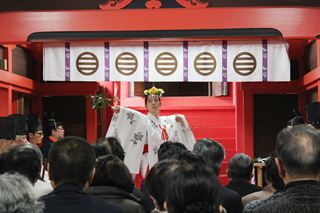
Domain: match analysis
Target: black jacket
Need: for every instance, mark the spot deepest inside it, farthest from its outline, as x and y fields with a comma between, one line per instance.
x=242, y=186
x=298, y=196
x=231, y=201
x=69, y=198
x=127, y=201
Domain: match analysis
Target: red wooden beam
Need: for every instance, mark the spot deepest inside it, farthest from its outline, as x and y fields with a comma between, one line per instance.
x=18, y=82
x=293, y=22
x=311, y=77
x=65, y=89
x=272, y=87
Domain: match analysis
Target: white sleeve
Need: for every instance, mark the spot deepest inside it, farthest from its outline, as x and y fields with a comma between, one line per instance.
x=129, y=127
x=181, y=132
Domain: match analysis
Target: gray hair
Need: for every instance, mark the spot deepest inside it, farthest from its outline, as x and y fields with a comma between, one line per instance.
x=240, y=166
x=211, y=152
x=298, y=148
x=17, y=196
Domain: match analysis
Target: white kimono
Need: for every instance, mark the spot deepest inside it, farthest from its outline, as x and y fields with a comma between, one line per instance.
x=135, y=129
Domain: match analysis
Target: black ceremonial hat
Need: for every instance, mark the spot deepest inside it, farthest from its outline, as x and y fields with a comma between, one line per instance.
x=34, y=123
x=2, y=123
x=21, y=123
x=7, y=128
x=52, y=124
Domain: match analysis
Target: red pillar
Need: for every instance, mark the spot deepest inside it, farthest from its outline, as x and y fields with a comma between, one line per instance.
x=6, y=99
x=92, y=120
x=318, y=64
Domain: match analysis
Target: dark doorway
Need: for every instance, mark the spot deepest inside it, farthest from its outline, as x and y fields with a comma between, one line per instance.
x=271, y=114
x=70, y=110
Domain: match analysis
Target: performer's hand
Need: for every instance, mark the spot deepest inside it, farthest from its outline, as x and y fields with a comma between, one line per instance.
x=179, y=119
x=115, y=109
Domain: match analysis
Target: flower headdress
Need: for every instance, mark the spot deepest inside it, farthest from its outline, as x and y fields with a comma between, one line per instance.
x=154, y=91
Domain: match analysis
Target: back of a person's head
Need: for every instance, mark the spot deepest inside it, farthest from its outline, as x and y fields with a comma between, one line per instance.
x=211, y=152
x=272, y=174
x=192, y=189
x=23, y=159
x=168, y=150
x=109, y=145
x=189, y=157
x=111, y=171
x=17, y=196
x=116, y=147
x=71, y=160
x=156, y=180
x=240, y=166
x=298, y=148
x=101, y=147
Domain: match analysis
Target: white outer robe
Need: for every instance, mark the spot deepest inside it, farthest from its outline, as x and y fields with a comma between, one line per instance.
x=135, y=129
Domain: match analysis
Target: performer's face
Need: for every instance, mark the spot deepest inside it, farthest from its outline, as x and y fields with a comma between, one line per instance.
x=153, y=104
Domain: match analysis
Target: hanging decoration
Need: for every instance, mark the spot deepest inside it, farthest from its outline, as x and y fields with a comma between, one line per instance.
x=202, y=61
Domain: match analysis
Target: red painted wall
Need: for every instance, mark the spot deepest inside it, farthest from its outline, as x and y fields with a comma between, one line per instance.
x=208, y=117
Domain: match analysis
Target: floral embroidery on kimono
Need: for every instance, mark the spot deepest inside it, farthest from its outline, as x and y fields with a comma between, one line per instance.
x=135, y=129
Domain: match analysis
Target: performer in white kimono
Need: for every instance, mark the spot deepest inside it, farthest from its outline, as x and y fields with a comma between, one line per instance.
x=135, y=129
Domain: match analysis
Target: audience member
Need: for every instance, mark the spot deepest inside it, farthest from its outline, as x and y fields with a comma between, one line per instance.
x=211, y=151
x=169, y=149
x=273, y=180
x=71, y=170
x=189, y=157
x=298, y=163
x=101, y=147
x=156, y=181
x=109, y=145
x=26, y=160
x=192, y=188
x=113, y=182
x=116, y=147
x=240, y=172
x=16, y=195
x=22, y=159
x=213, y=154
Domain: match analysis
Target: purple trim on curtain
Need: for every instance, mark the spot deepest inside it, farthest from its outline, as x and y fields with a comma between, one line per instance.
x=224, y=60
x=67, y=61
x=264, y=60
x=106, y=61
x=185, y=61
x=146, y=61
